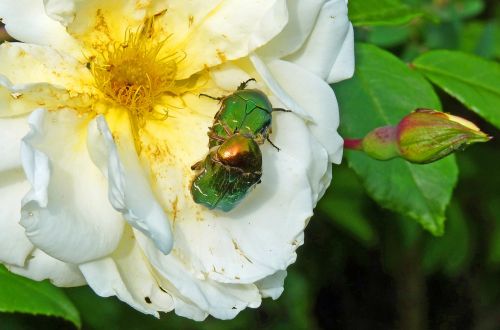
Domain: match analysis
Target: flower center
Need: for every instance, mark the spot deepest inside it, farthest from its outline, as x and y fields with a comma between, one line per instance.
x=136, y=72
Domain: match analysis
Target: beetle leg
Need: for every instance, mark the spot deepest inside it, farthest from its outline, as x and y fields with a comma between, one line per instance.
x=244, y=84
x=213, y=97
x=227, y=129
x=273, y=144
x=281, y=110
x=197, y=166
x=214, y=136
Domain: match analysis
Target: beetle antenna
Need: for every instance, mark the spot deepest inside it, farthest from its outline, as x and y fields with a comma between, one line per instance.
x=273, y=144
x=212, y=97
x=244, y=84
x=281, y=110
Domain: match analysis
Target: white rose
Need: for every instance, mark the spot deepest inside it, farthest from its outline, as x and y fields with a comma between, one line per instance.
x=100, y=106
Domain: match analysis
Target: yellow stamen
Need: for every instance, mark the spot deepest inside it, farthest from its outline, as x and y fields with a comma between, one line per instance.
x=135, y=73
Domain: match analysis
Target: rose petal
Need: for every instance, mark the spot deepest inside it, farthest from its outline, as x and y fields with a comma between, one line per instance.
x=272, y=286
x=223, y=301
x=332, y=33
x=343, y=68
x=22, y=99
x=26, y=20
x=96, y=23
x=288, y=102
x=302, y=17
x=26, y=63
x=317, y=98
x=65, y=214
x=41, y=266
x=11, y=132
x=126, y=274
x=212, y=32
x=129, y=189
x=14, y=246
x=33, y=76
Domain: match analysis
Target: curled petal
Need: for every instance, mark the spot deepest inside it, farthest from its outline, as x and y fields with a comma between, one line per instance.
x=317, y=98
x=288, y=102
x=272, y=285
x=129, y=189
x=302, y=17
x=223, y=301
x=127, y=274
x=312, y=99
x=330, y=45
x=27, y=21
x=40, y=266
x=343, y=68
x=65, y=214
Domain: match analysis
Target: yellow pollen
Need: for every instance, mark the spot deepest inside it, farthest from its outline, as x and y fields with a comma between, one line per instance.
x=136, y=72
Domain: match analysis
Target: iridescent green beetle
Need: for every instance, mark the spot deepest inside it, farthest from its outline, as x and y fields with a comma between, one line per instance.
x=246, y=111
x=227, y=173
x=233, y=165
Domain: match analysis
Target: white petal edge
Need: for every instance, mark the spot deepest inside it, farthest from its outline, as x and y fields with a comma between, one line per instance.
x=41, y=266
x=310, y=94
x=129, y=189
x=65, y=214
x=326, y=41
x=288, y=102
x=302, y=17
x=223, y=301
x=14, y=246
x=127, y=275
x=343, y=68
x=27, y=21
x=272, y=286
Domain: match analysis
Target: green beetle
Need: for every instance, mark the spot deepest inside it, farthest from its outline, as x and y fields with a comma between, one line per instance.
x=246, y=111
x=228, y=173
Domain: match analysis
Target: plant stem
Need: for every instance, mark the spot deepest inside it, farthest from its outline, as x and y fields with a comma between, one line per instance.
x=353, y=144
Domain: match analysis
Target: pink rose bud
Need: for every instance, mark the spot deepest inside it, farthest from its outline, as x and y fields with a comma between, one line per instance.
x=421, y=137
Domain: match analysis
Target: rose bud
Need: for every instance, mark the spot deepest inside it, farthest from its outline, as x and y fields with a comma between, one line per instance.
x=421, y=137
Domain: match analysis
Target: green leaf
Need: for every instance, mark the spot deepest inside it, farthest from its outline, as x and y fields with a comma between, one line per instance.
x=451, y=252
x=472, y=80
x=19, y=294
x=388, y=36
x=382, y=91
x=380, y=12
x=480, y=38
